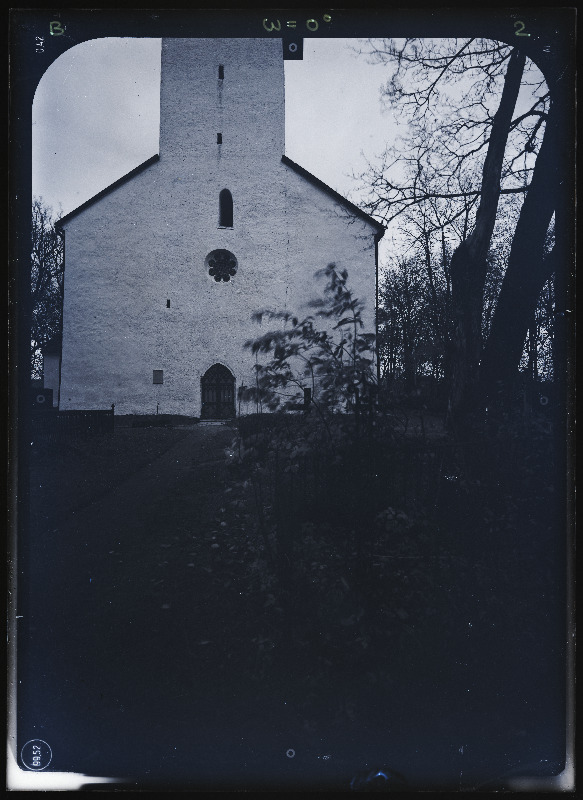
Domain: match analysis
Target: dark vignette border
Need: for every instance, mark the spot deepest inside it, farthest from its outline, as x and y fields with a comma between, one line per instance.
x=551, y=45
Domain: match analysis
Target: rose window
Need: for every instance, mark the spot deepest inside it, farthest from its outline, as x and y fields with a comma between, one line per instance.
x=222, y=265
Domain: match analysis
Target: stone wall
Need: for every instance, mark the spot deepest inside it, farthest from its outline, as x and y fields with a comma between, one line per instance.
x=51, y=375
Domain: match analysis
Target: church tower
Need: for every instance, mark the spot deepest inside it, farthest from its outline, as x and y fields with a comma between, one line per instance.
x=232, y=87
x=221, y=141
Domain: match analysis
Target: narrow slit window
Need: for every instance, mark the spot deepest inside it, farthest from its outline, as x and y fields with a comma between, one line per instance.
x=167, y=303
x=219, y=138
x=158, y=376
x=221, y=72
x=225, y=209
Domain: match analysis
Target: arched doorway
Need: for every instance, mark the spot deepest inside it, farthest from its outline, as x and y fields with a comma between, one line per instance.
x=218, y=393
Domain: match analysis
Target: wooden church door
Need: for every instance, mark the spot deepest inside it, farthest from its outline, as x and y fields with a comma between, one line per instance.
x=218, y=393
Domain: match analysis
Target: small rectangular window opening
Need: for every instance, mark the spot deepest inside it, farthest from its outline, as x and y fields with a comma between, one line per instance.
x=307, y=397
x=221, y=72
x=158, y=376
x=219, y=138
x=167, y=303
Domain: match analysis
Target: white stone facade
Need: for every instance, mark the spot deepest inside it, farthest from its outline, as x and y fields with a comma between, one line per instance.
x=51, y=375
x=138, y=294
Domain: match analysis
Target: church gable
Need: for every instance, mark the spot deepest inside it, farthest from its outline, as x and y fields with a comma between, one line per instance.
x=109, y=190
x=338, y=200
x=226, y=199
x=323, y=227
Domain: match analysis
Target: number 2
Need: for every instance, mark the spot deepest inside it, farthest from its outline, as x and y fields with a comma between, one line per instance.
x=519, y=30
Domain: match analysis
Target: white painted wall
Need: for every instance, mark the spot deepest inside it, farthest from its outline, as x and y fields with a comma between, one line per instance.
x=146, y=241
x=51, y=375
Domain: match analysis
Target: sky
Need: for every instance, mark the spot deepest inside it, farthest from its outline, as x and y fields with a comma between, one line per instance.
x=96, y=109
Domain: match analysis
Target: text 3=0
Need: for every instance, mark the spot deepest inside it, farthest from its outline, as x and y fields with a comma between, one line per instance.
x=311, y=24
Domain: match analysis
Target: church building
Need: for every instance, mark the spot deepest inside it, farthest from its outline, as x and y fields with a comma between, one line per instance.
x=164, y=269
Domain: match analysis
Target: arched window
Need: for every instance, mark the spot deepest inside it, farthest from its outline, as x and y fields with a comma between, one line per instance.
x=225, y=209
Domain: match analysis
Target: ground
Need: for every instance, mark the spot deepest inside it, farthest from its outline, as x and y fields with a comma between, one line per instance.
x=153, y=645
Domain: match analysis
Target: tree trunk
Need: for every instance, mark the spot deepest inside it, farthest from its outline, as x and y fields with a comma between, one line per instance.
x=527, y=272
x=468, y=264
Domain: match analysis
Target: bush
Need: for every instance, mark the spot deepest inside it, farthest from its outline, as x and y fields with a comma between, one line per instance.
x=331, y=369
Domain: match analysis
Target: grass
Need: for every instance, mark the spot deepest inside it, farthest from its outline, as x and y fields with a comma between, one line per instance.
x=68, y=474
x=346, y=637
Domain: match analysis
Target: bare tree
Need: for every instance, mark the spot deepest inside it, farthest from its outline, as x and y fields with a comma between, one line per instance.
x=466, y=155
x=529, y=268
x=414, y=328
x=47, y=271
x=449, y=92
x=469, y=265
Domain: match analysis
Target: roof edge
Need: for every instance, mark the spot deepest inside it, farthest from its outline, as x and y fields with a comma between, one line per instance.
x=128, y=177
x=336, y=196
